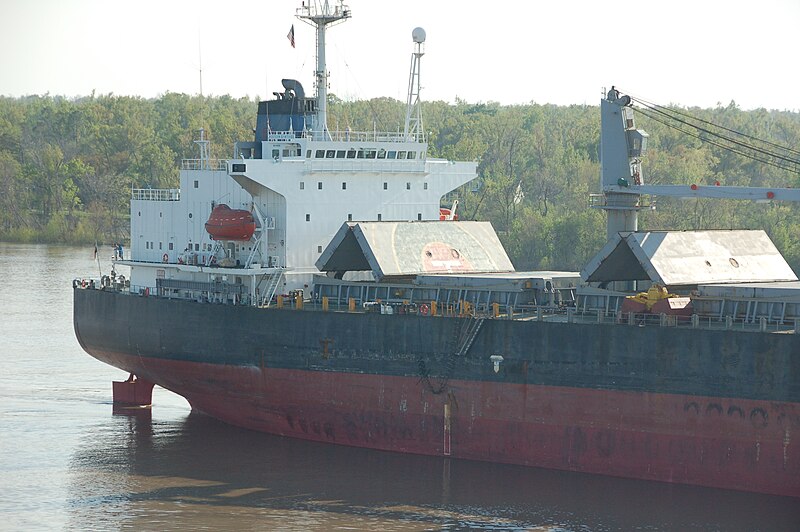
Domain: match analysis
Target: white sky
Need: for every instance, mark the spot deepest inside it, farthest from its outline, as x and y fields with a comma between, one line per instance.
x=689, y=52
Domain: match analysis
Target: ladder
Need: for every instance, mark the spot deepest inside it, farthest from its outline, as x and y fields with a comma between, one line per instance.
x=272, y=286
x=468, y=335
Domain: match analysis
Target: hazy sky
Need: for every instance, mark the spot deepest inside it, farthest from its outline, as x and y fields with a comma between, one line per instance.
x=693, y=53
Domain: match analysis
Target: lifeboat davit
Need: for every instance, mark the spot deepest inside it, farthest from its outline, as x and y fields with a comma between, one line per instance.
x=230, y=224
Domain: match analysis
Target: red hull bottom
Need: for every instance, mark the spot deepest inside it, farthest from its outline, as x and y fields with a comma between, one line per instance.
x=716, y=442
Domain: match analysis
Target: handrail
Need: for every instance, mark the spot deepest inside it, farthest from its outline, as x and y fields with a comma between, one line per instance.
x=203, y=164
x=550, y=314
x=156, y=194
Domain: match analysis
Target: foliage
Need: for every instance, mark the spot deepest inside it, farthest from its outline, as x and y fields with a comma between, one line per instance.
x=67, y=166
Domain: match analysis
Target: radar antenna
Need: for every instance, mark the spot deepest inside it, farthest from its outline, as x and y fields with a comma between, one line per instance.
x=413, y=129
x=322, y=14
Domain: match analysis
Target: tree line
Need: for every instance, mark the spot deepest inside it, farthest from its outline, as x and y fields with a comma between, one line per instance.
x=67, y=166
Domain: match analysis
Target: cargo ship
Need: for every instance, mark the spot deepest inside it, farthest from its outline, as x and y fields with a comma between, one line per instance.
x=313, y=286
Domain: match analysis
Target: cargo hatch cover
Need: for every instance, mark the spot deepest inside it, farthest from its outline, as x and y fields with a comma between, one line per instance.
x=403, y=249
x=683, y=258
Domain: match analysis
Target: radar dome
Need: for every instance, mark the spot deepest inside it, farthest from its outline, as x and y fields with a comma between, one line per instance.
x=418, y=35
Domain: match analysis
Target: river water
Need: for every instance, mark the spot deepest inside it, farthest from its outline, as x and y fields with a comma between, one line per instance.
x=69, y=461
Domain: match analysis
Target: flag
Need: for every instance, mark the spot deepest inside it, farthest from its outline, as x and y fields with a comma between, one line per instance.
x=290, y=36
x=94, y=256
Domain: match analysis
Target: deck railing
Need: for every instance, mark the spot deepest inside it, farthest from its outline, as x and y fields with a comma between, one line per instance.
x=156, y=194
x=203, y=164
x=559, y=314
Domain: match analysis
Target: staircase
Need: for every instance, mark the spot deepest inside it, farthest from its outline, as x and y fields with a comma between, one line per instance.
x=271, y=286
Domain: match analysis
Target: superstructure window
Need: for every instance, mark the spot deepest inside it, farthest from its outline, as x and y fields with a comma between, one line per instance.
x=196, y=183
x=419, y=216
x=302, y=185
x=292, y=150
x=319, y=185
x=408, y=186
x=385, y=185
x=379, y=217
x=344, y=185
x=425, y=186
x=308, y=217
x=349, y=217
x=171, y=246
x=319, y=249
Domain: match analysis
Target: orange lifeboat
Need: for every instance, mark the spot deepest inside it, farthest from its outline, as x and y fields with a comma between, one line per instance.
x=230, y=224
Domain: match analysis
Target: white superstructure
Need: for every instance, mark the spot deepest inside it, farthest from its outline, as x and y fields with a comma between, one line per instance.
x=300, y=186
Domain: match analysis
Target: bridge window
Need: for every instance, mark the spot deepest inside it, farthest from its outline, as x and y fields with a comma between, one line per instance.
x=392, y=155
x=330, y=154
x=351, y=153
x=401, y=155
x=412, y=155
x=370, y=153
x=381, y=154
x=340, y=154
x=320, y=154
x=361, y=153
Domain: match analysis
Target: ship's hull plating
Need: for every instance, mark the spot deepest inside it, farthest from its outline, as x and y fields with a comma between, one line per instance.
x=708, y=409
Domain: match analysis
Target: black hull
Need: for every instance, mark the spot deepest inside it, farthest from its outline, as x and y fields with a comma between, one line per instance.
x=703, y=407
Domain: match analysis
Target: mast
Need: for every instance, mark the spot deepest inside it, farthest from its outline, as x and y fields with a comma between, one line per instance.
x=413, y=129
x=202, y=143
x=322, y=14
